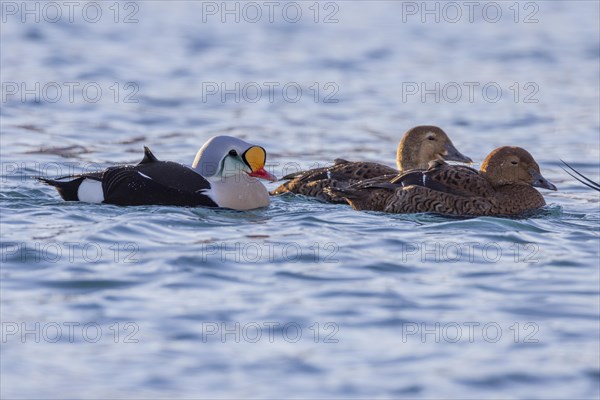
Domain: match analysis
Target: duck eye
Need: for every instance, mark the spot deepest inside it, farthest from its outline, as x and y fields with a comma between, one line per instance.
x=431, y=137
x=233, y=153
x=514, y=162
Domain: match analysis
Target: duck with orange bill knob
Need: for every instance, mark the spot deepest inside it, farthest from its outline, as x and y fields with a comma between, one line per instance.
x=224, y=174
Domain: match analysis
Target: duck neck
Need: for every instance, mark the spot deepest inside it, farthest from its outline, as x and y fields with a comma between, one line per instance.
x=515, y=199
x=407, y=160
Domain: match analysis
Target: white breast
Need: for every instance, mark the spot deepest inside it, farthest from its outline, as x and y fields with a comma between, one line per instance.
x=238, y=192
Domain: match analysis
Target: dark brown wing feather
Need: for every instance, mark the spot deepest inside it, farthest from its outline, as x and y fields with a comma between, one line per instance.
x=452, y=179
x=342, y=174
x=443, y=188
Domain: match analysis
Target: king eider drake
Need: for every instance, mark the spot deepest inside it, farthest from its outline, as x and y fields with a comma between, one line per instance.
x=223, y=174
x=419, y=146
x=504, y=186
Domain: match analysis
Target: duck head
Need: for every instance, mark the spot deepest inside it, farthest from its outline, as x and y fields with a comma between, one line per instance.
x=423, y=144
x=223, y=156
x=510, y=165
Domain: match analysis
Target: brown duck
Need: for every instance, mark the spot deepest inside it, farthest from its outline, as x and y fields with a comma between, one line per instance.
x=504, y=186
x=419, y=146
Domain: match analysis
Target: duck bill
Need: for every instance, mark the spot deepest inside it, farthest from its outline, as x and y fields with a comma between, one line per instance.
x=452, y=154
x=263, y=174
x=255, y=158
x=541, y=182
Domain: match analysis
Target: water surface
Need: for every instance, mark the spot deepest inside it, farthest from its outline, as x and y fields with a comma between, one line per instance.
x=303, y=299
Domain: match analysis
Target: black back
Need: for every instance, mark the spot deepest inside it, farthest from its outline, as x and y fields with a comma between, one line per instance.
x=155, y=182
x=151, y=182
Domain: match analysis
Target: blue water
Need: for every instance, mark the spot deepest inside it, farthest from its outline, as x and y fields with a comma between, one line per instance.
x=303, y=299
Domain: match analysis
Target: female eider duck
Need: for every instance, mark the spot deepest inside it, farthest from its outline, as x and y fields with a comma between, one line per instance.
x=502, y=187
x=419, y=146
x=223, y=175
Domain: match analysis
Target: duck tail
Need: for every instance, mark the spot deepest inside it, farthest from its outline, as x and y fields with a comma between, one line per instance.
x=330, y=197
x=342, y=193
x=358, y=199
x=66, y=189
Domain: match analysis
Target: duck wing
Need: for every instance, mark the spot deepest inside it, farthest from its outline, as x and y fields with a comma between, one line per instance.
x=316, y=173
x=443, y=188
x=156, y=182
x=343, y=173
x=451, y=179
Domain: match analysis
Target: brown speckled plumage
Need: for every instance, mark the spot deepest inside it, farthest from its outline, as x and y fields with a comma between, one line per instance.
x=419, y=146
x=313, y=183
x=503, y=186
